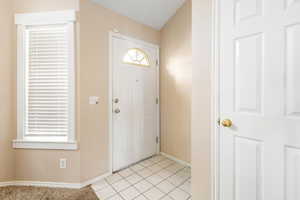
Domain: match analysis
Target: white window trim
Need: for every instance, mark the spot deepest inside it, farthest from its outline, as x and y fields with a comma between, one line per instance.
x=46, y=18
x=23, y=144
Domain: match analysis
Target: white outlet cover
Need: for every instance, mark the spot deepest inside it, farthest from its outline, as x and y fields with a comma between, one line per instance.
x=63, y=163
x=93, y=100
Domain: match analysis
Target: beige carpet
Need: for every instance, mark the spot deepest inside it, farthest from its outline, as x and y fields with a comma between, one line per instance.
x=43, y=193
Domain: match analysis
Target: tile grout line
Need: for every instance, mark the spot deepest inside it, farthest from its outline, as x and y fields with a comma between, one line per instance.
x=165, y=179
x=145, y=178
x=135, y=172
x=124, y=178
x=154, y=186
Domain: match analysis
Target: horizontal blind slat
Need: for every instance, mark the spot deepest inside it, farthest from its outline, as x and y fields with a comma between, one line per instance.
x=47, y=85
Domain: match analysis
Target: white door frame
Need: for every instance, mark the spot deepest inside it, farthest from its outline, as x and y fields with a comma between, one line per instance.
x=110, y=96
x=215, y=99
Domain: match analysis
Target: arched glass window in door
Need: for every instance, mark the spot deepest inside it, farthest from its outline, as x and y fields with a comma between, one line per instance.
x=136, y=57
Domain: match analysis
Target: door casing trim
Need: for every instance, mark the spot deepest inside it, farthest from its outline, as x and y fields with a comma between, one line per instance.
x=215, y=99
x=110, y=95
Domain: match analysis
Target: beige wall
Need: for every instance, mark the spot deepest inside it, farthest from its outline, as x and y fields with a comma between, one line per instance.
x=96, y=22
x=22, y=6
x=175, y=88
x=91, y=159
x=201, y=100
x=43, y=165
x=92, y=80
x=7, y=157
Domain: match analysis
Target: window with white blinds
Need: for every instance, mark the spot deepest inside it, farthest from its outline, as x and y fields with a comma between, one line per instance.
x=47, y=83
x=46, y=78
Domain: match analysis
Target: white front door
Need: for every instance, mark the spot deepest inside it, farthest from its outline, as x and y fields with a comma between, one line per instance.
x=260, y=94
x=135, y=103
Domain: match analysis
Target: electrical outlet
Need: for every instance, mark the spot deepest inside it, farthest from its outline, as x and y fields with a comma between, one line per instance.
x=63, y=163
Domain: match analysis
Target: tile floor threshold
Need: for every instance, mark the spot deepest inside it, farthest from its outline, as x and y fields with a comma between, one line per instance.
x=157, y=178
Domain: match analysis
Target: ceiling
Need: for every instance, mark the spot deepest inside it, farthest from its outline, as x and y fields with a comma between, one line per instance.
x=154, y=13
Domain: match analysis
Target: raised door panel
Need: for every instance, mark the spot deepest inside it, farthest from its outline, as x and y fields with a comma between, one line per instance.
x=292, y=173
x=290, y=3
x=248, y=74
x=292, y=70
x=248, y=169
x=247, y=9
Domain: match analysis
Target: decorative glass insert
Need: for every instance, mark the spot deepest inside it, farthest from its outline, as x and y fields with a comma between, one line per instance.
x=136, y=57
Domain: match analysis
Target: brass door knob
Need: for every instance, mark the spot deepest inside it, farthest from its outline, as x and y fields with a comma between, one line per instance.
x=117, y=110
x=226, y=123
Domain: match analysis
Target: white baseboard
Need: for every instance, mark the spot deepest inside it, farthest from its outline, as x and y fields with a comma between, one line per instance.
x=176, y=159
x=41, y=184
x=94, y=180
x=55, y=184
x=4, y=184
x=48, y=184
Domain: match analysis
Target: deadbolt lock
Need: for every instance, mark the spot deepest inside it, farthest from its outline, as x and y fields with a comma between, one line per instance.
x=116, y=100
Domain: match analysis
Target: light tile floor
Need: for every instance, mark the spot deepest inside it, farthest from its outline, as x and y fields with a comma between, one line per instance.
x=156, y=178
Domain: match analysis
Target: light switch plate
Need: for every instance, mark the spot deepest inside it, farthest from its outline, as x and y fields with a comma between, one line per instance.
x=62, y=163
x=93, y=100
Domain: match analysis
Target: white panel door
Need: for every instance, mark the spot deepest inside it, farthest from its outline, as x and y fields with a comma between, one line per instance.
x=260, y=94
x=135, y=106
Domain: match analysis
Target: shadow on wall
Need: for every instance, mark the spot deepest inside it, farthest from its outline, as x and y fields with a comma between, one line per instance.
x=176, y=80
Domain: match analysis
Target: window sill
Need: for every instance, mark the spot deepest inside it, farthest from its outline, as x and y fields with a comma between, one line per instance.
x=23, y=144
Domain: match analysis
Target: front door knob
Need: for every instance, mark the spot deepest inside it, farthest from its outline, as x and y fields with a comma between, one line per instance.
x=117, y=110
x=226, y=123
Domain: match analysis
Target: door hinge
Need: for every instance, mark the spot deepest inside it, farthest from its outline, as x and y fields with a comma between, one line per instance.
x=157, y=63
x=157, y=140
x=157, y=100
